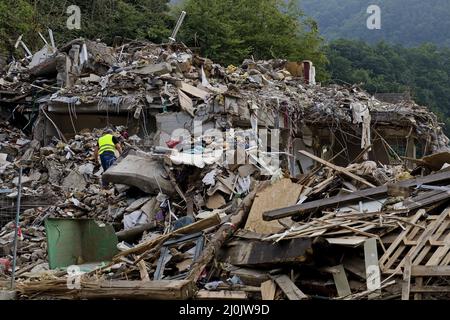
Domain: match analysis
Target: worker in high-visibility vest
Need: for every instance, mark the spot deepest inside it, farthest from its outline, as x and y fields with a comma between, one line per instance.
x=106, y=147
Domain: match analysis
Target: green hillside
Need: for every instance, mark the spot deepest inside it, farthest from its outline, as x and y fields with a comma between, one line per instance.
x=406, y=22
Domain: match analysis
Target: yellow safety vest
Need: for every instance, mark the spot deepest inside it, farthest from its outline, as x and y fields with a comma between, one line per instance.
x=105, y=143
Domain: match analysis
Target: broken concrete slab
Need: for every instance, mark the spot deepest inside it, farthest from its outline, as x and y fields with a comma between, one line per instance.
x=194, y=91
x=156, y=69
x=144, y=173
x=167, y=123
x=74, y=181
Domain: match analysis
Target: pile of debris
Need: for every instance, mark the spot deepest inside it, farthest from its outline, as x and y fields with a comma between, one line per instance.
x=338, y=206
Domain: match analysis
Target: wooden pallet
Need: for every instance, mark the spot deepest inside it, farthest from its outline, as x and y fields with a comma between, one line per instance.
x=423, y=275
x=425, y=243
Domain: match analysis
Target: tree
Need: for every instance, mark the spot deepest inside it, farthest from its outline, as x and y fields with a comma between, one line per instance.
x=229, y=31
x=424, y=71
x=409, y=23
x=15, y=19
x=100, y=19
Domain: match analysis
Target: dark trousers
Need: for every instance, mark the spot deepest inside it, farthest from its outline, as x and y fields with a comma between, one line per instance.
x=107, y=159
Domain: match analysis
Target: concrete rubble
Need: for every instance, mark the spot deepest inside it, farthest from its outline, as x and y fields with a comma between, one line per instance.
x=314, y=192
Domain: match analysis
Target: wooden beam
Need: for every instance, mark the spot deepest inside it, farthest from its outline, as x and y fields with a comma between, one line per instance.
x=419, y=283
x=220, y=295
x=118, y=289
x=337, y=168
x=340, y=280
x=430, y=271
x=291, y=291
x=406, y=286
x=268, y=290
x=430, y=289
x=250, y=276
x=373, y=193
x=373, y=278
x=265, y=253
x=135, y=231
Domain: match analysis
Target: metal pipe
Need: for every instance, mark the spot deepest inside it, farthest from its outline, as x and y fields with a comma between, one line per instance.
x=19, y=194
x=177, y=26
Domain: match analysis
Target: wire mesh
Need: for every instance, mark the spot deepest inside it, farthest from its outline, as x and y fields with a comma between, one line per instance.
x=7, y=207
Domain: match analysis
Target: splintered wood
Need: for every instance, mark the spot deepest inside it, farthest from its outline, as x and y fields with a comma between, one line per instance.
x=118, y=289
x=339, y=226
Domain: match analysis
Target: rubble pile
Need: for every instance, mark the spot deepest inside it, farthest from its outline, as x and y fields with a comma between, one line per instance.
x=63, y=177
x=207, y=216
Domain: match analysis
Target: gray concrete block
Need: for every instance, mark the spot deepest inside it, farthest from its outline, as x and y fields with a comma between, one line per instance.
x=140, y=172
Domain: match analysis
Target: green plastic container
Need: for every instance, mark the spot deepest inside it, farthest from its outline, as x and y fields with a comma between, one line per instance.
x=79, y=241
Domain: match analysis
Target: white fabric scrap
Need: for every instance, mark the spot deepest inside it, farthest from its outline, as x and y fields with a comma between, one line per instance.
x=361, y=114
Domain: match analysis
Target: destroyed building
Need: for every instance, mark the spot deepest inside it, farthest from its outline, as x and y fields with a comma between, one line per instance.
x=199, y=213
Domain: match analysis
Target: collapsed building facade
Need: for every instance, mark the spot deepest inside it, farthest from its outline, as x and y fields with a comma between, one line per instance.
x=148, y=88
x=320, y=142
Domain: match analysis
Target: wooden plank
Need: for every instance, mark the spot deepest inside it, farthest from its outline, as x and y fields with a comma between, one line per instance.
x=356, y=266
x=132, y=233
x=446, y=260
x=264, y=253
x=186, y=103
x=268, y=290
x=350, y=241
x=387, y=256
x=419, y=283
x=430, y=289
x=220, y=295
x=440, y=253
x=403, y=246
x=406, y=286
x=291, y=291
x=117, y=289
x=414, y=251
x=341, y=281
x=424, y=253
x=373, y=193
x=337, y=168
x=430, y=271
x=373, y=278
x=250, y=276
x=425, y=199
x=281, y=194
